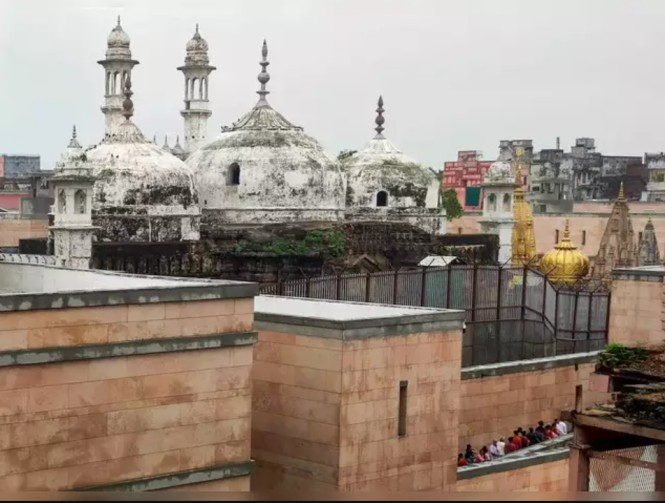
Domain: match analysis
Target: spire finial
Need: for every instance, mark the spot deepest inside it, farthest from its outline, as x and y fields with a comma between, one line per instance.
x=379, y=121
x=566, y=231
x=128, y=105
x=119, y=21
x=197, y=28
x=622, y=196
x=73, y=142
x=74, y=132
x=166, y=141
x=154, y=139
x=177, y=140
x=264, y=76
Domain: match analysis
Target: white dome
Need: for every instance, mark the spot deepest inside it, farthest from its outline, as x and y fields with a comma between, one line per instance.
x=279, y=167
x=130, y=171
x=267, y=169
x=197, y=49
x=380, y=166
x=118, y=43
x=500, y=171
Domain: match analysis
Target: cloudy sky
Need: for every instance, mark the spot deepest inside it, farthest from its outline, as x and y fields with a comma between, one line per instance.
x=454, y=74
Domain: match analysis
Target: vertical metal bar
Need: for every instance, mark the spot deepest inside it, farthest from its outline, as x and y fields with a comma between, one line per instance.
x=450, y=274
x=423, y=287
x=498, y=294
x=368, y=285
x=556, y=315
x=607, y=318
x=307, y=288
x=474, y=289
x=574, y=333
x=339, y=286
x=588, y=327
x=395, y=287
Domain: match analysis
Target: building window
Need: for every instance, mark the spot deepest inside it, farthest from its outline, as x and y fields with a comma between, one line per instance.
x=543, y=208
x=583, y=238
x=233, y=174
x=401, y=423
x=382, y=198
x=80, y=202
x=506, y=203
x=491, y=202
x=556, y=236
x=62, y=202
x=459, y=230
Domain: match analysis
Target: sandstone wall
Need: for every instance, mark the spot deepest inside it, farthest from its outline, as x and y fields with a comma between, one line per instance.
x=14, y=229
x=545, y=477
x=638, y=307
x=325, y=412
x=518, y=394
x=74, y=415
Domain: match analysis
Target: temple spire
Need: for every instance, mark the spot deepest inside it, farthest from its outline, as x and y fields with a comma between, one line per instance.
x=264, y=76
x=128, y=105
x=622, y=196
x=380, y=120
x=73, y=143
x=119, y=21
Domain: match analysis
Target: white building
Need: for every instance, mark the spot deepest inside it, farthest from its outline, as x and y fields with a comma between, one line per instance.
x=385, y=184
x=498, y=190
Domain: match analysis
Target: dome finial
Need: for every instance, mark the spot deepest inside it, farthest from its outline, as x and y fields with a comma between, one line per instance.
x=197, y=29
x=128, y=105
x=566, y=232
x=622, y=196
x=264, y=76
x=73, y=142
x=379, y=121
x=119, y=21
x=74, y=132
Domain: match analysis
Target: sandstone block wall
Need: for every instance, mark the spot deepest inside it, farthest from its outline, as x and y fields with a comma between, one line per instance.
x=545, y=477
x=325, y=411
x=13, y=230
x=86, y=419
x=493, y=407
x=638, y=307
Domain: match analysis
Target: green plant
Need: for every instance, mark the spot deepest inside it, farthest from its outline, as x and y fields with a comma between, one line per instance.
x=451, y=204
x=618, y=355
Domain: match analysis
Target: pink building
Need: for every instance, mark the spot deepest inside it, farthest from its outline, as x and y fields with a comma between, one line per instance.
x=465, y=176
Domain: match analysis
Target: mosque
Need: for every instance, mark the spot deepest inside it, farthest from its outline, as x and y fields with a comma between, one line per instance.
x=262, y=169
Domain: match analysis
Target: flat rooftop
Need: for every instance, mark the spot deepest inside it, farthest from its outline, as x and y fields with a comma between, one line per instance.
x=36, y=286
x=340, y=319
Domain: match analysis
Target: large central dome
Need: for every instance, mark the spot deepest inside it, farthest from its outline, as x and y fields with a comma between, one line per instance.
x=265, y=169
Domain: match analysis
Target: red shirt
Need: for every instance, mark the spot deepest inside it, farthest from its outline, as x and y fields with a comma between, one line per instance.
x=462, y=462
x=517, y=442
x=525, y=441
x=510, y=447
x=550, y=434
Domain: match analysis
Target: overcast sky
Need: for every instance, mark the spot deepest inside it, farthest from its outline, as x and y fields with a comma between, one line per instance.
x=454, y=74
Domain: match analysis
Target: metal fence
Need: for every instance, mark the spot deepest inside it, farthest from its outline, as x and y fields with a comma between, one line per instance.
x=511, y=313
x=625, y=470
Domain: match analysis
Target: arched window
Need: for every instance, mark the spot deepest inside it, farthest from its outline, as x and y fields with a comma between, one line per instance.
x=382, y=198
x=491, y=202
x=116, y=84
x=80, y=202
x=194, y=84
x=201, y=89
x=506, y=203
x=62, y=202
x=233, y=174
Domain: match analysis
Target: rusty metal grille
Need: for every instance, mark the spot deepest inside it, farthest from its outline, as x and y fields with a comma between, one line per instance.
x=609, y=475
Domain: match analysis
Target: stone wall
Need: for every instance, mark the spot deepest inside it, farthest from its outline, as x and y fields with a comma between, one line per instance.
x=14, y=227
x=536, y=476
x=132, y=397
x=638, y=306
x=497, y=399
x=325, y=410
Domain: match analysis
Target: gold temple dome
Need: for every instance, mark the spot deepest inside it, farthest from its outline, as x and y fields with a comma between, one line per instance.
x=565, y=263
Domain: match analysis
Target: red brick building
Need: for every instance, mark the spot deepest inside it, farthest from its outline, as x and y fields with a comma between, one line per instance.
x=465, y=176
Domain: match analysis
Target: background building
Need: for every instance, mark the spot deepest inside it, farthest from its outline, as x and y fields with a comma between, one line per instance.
x=465, y=176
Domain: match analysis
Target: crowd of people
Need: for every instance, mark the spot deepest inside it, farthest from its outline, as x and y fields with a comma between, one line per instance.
x=520, y=439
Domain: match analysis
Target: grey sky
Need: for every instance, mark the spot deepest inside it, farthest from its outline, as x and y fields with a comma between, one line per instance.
x=454, y=75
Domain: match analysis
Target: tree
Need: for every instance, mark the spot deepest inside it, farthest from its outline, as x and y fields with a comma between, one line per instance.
x=451, y=204
x=344, y=154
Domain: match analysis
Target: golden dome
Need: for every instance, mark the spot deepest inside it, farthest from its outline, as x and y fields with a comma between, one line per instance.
x=565, y=263
x=523, y=238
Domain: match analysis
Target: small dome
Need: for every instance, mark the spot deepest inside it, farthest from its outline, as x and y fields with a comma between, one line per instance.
x=197, y=49
x=118, y=43
x=565, y=263
x=499, y=171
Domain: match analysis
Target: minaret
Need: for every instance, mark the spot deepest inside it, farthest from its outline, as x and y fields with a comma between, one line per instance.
x=72, y=228
x=196, y=70
x=117, y=68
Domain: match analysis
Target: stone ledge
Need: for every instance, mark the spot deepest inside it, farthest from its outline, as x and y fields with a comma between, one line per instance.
x=210, y=474
x=647, y=273
x=516, y=367
x=131, y=348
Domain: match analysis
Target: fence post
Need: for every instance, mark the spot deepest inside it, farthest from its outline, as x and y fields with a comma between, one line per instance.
x=339, y=286
x=498, y=294
x=556, y=316
x=607, y=318
x=588, y=326
x=523, y=309
x=574, y=333
x=423, y=287
x=368, y=285
x=307, y=287
x=474, y=291
x=450, y=273
x=395, y=287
